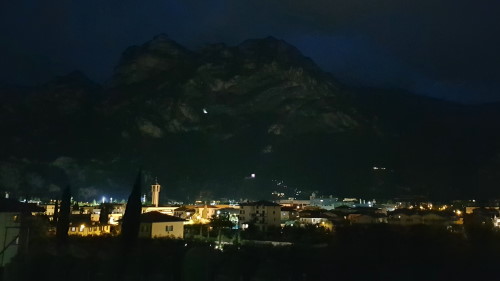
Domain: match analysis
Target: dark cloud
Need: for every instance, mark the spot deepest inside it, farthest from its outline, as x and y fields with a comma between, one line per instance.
x=412, y=44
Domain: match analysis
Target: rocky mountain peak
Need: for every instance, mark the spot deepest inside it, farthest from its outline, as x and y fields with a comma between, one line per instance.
x=72, y=81
x=219, y=113
x=162, y=44
x=271, y=49
x=154, y=58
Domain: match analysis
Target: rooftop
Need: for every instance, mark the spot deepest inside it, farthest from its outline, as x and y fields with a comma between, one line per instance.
x=260, y=203
x=158, y=217
x=14, y=206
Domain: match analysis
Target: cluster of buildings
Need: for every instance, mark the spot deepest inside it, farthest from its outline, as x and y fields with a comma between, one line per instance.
x=169, y=221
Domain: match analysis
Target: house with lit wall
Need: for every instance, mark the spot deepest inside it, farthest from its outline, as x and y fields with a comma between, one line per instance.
x=83, y=225
x=49, y=209
x=204, y=213
x=12, y=235
x=158, y=225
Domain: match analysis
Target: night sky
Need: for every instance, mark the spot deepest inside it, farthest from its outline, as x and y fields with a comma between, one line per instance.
x=445, y=49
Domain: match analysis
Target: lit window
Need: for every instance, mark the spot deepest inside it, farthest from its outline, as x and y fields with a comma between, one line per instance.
x=169, y=228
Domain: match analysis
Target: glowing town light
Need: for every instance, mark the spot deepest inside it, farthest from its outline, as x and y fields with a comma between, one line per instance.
x=252, y=175
x=82, y=227
x=205, y=111
x=103, y=199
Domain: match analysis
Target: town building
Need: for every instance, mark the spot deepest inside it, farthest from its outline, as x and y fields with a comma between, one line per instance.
x=470, y=209
x=366, y=218
x=12, y=233
x=158, y=225
x=262, y=214
x=166, y=210
x=426, y=217
x=295, y=203
x=185, y=212
x=155, y=193
x=204, y=213
x=484, y=216
x=496, y=220
x=313, y=218
x=89, y=229
x=288, y=214
x=327, y=203
x=49, y=209
x=115, y=212
x=82, y=225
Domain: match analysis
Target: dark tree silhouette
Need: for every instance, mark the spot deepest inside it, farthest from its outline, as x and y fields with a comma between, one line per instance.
x=104, y=215
x=56, y=213
x=63, y=220
x=76, y=208
x=221, y=221
x=132, y=216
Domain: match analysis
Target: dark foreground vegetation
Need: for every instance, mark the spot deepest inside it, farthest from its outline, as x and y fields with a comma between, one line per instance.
x=378, y=252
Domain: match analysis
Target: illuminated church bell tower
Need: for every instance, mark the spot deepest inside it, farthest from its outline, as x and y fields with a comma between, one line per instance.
x=155, y=193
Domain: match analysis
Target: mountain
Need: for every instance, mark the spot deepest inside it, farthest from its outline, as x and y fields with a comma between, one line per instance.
x=440, y=148
x=204, y=120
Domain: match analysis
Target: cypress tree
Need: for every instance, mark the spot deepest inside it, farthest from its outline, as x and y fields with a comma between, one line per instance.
x=56, y=213
x=63, y=220
x=104, y=215
x=132, y=216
